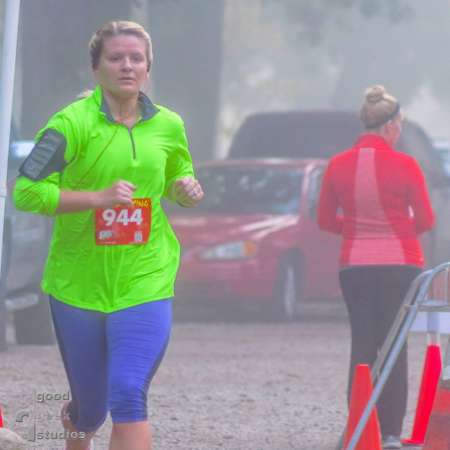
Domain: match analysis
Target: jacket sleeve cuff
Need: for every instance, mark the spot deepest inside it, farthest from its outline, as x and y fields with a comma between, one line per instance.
x=36, y=197
x=53, y=198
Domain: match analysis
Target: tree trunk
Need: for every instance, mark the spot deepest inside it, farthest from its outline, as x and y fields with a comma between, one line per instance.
x=187, y=40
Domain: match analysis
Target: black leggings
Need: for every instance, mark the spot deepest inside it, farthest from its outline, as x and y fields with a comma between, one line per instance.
x=373, y=295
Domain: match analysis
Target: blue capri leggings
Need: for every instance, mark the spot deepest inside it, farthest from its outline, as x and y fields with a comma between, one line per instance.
x=110, y=359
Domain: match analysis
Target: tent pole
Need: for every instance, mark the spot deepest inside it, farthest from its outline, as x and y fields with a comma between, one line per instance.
x=11, y=25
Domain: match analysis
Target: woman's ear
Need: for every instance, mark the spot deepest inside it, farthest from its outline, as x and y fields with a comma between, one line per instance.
x=387, y=127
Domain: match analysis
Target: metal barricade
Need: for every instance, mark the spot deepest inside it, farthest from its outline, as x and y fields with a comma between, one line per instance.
x=415, y=300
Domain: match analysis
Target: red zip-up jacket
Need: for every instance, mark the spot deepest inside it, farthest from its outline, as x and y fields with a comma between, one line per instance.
x=377, y=199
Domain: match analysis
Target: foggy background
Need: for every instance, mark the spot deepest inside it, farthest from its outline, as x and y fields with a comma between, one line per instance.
x=216, y=61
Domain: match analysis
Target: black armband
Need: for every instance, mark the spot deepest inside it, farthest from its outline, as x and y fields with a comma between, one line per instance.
x=46, y=157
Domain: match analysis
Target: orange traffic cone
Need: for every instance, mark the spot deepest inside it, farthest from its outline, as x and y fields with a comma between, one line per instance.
x=430, y=379
x=438, y=435
x=361, y=392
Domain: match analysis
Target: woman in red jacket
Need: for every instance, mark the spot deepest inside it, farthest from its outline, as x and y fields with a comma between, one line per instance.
x=377, y=199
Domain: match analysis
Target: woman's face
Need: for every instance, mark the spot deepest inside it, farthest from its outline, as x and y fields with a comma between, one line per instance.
x=122, y=67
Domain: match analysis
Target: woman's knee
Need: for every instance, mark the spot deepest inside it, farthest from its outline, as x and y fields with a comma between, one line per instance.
x=86, y=418
x=128, y=401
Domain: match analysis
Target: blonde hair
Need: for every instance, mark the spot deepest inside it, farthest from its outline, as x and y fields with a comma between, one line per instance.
x=116, y=28
x=378, y=108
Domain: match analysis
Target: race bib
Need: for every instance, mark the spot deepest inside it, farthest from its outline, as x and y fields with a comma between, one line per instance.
x=124, y=225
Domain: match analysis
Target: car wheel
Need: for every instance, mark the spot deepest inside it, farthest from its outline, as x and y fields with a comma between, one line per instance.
x=286, y=302
x=33, y=325
x=289, y=292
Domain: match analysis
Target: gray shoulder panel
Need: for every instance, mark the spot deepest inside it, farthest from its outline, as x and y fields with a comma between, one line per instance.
x=46, y=157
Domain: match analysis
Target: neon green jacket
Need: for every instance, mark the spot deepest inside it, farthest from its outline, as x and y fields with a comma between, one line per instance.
x=99, y=152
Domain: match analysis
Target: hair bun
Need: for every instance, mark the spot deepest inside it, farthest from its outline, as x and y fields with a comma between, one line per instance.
x=374, y=94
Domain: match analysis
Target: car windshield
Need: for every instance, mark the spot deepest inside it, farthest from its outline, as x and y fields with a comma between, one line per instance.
x=246, y=190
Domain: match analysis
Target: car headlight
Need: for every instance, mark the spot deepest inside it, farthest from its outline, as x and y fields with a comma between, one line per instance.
x=231, y=250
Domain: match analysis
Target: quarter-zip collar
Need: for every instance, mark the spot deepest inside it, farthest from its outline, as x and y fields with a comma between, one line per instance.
x=373, y=141
x=148, y=109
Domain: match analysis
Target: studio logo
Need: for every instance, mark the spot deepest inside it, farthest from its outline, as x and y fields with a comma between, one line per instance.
x=42, y=421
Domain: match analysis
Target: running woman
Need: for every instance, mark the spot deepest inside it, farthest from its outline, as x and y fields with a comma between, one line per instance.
x=101, y=166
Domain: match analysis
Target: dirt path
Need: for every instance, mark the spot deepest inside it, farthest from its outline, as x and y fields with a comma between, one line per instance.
x=233, y=386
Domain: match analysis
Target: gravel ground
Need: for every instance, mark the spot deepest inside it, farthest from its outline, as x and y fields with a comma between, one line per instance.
x=234, y=385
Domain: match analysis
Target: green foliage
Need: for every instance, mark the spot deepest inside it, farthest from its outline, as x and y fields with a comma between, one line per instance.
x=314, y=17
x=394, y=10
x=400, y=43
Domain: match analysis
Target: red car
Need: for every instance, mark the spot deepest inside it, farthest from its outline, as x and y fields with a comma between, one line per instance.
x=254, y=237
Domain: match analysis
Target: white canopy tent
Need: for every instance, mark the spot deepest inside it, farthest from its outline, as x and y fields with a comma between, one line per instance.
x=11, y=26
